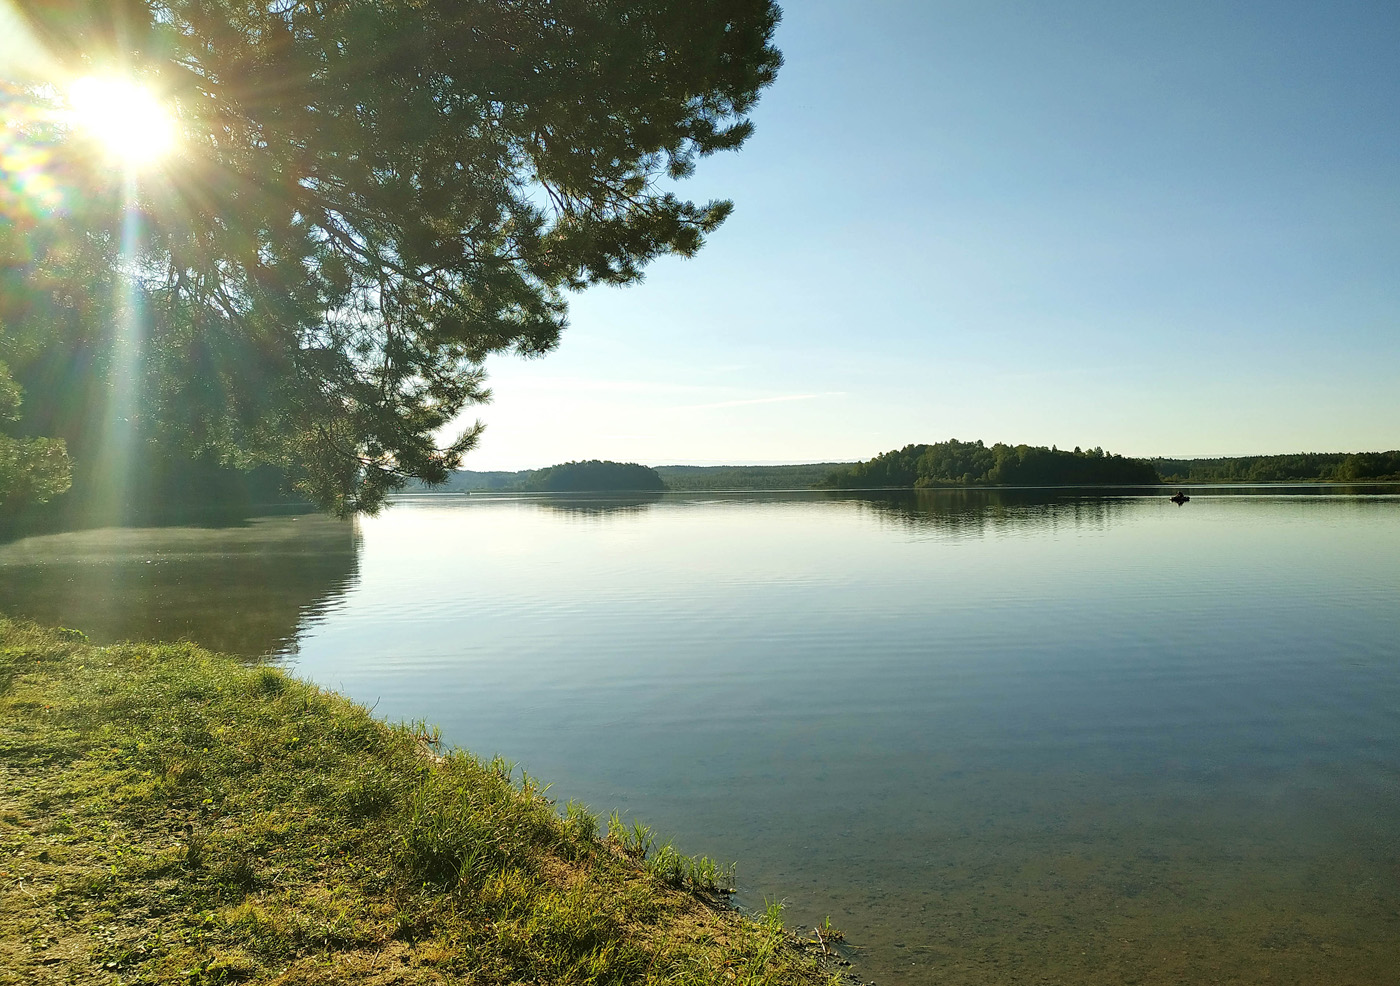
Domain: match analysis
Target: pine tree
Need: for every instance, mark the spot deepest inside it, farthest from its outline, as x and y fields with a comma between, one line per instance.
x=372, y=197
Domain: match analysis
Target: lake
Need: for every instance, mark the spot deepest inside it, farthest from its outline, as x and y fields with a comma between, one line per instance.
x=998, y=737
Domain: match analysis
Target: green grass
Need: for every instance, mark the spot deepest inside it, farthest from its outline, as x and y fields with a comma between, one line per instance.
x=171, y=816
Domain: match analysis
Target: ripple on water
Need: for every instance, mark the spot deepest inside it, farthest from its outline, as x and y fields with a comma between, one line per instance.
x=1091, y=740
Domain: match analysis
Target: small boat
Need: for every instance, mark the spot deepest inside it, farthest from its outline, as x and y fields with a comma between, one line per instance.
x=1179, y=499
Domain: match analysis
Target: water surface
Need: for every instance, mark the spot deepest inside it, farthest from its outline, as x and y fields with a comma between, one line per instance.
x=997, y=738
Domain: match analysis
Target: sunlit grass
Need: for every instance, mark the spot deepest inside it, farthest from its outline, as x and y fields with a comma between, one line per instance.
x=167, y=815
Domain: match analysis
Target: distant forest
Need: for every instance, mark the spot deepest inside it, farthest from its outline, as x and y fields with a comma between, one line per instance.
x=590, y=476
x=944, y=464
x=676, y=478
x=702, y=478
x=1306, y=467
x=955, y=463
x=595, y=476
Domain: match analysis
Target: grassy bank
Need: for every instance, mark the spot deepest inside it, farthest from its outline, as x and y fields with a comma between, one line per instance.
x=168, y=815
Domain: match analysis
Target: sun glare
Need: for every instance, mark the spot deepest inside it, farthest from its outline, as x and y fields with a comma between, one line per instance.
x=124, y=117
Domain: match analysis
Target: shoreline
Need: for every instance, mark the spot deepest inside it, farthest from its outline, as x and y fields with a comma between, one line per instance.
x=173, y=815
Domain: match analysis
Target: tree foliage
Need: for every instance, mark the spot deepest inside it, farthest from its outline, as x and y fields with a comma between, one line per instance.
x=1304, y=467
x=31, y=470
x=374, y=197
x=596, y=476
x=785, y=477
x=955, y=463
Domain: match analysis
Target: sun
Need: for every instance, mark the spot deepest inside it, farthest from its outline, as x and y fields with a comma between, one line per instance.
x=124, y=117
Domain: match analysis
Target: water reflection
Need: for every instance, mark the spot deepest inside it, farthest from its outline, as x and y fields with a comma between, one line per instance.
x=602, y=505
x=976, y=513
x=246, y=588
x=997, y=735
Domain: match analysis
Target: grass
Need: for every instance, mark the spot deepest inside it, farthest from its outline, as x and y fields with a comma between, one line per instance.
x=171, y=816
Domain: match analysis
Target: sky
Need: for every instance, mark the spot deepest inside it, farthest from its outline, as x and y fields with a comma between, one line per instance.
x=1157, y=228
x=1162, y=229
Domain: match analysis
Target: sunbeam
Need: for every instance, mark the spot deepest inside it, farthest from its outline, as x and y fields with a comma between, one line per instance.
x=21, y=56
x=124, y=117
x=121, y=421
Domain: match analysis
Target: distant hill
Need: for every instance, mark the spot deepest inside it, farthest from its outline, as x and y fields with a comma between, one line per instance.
x=468, y=480
x=701, y=478
x=591, y=476
x=955, y=463
x=679, y=478
x=595, y=476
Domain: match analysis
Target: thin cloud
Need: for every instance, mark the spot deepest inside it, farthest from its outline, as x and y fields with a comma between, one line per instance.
x=762, y=400
x=556, y=385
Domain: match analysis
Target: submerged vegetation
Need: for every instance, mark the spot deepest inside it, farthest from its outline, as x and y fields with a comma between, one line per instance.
x=170, y=815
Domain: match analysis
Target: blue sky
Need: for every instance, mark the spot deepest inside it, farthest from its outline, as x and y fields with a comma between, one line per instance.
x=1158, y=228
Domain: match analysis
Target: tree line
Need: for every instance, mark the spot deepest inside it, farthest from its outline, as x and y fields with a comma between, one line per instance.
x=783, y=477
x=586, y=476
x=1305, y=467
x=944, y=465
x=674, y=478
x=955, y=463
x=594, y=475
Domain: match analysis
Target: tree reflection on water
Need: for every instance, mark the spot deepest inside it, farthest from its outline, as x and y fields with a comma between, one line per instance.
x=246, y=588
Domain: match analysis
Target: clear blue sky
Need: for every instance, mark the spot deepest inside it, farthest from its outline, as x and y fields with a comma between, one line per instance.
x=1160, y=228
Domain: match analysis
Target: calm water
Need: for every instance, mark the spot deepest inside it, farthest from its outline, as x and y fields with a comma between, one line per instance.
x=998, y=739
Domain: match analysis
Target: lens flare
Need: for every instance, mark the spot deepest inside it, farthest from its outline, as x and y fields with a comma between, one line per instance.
x=29, y=186
x=124, y=117
x=26, y=185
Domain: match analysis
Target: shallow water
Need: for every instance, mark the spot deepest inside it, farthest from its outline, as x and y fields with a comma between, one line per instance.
x=997, y=738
